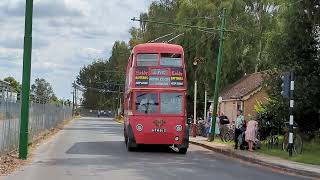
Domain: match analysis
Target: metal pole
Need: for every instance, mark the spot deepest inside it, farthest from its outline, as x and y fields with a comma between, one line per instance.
x=291, y=114
x=120, y=105
x=195, y=103
x=218, y=76
x=205, y=104
x=23, y=143
x=75, y=98
x=73, y=103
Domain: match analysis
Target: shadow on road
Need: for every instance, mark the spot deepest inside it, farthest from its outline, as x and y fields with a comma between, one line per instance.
x=112, y=147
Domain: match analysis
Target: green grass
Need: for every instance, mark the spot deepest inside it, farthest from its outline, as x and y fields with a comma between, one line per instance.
x=218, y=140
x=310, y=153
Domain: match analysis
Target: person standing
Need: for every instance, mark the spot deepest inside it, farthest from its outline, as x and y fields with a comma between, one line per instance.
x=209, y=124
x=239, y=122
x=251, y=133
x=217, y=127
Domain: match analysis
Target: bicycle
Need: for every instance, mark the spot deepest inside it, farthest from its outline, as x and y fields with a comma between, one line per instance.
x=272, y=141
x=297, y=140
x=201, y=128
x=227, y=133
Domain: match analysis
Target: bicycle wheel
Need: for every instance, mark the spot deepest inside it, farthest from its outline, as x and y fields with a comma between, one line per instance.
x=268, y=142
x=298, y=144
x=276, y=142
x=285, y=143
x=228, y=136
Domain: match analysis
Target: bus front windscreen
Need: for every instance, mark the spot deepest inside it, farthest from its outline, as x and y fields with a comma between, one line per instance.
x=147, y=103
x=171, y=103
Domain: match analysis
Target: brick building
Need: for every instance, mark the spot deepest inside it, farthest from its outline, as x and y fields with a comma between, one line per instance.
x=244, y=94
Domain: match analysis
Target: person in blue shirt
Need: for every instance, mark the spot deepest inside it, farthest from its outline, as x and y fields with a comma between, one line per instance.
x=239, y=123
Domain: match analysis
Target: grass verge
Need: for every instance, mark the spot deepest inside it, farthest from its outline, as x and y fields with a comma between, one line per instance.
x=310, y=154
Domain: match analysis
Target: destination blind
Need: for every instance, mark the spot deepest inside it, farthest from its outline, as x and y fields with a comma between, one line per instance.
x=159, y=77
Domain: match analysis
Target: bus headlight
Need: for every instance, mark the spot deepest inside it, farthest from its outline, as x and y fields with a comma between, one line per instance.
x=139, y=127
x=178, y=128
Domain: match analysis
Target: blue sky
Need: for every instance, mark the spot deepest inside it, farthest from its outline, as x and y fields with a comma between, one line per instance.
x=67, y=34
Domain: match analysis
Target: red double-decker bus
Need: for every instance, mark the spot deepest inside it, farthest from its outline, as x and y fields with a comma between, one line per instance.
x=155, y=97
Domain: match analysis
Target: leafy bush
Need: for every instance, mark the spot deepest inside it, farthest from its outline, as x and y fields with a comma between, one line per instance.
x=270, y=117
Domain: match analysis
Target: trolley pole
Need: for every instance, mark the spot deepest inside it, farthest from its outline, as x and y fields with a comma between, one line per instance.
x=218, y=76
x=27, y=51
x=291, y=113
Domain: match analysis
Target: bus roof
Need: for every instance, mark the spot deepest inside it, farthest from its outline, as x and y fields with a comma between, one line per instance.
x=158, y=48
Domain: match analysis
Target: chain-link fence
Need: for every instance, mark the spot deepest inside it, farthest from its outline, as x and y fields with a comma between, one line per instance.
x=42, y=116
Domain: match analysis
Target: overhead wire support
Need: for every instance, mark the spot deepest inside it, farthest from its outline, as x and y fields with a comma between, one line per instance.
x=181, y=25
x=174, y=38
x=170, y=34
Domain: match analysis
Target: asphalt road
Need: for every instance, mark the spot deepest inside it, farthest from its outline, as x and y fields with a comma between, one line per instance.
x=92, y=149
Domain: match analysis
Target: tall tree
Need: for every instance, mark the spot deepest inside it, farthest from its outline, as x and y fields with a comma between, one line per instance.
x=103, y=79
x=245, y=47
x=42, y=89
x=13, y=83
x=296, y=48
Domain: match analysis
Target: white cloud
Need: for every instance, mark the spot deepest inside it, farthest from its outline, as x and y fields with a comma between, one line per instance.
x=67, y=34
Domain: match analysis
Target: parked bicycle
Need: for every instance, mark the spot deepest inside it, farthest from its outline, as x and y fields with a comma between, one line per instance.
x=227, y=132
x=272, y=141
x=201, y=128
x=297, y=139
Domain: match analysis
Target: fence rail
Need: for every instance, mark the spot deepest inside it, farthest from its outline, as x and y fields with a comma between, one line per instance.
x=41, y=117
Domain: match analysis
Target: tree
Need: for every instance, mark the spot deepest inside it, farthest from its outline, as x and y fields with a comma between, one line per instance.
x=103, y=79
x=245, y=49
x=13, y=83
x=42, y=89
x=295, y=48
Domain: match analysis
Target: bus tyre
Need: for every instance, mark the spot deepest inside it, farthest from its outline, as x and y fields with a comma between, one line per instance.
x=183, y=150
x=129, y=144
x=125, y=139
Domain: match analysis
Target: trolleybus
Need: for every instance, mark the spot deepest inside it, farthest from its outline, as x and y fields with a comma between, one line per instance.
x=155, y=97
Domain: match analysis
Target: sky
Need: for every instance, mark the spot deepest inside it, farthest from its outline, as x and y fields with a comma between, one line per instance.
x=67, y=34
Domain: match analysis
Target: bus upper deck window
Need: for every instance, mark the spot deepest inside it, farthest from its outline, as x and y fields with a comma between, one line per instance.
x=171, y=60
x=147, y=60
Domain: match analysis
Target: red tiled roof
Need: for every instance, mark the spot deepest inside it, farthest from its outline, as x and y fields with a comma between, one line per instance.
x=243, y=86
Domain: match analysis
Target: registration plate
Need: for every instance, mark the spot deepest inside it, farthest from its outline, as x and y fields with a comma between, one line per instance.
x=159, y=130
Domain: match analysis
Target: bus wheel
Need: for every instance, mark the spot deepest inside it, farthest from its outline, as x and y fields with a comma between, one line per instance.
x=129, y=144
x=125, y=139
x=183, y=150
